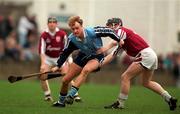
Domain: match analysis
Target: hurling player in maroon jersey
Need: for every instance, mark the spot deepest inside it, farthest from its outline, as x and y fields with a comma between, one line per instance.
x=145, y=63
x=51, y=45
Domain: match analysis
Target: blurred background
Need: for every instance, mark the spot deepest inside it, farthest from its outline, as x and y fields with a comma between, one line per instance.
x=158, y=21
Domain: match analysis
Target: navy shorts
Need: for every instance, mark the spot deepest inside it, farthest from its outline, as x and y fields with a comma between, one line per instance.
x=82, y=58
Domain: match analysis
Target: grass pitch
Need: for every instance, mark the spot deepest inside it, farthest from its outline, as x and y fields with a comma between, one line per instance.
x=26, y=97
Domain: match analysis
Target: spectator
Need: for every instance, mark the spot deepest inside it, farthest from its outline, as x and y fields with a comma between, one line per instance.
x=24, y=26
x=30, y=49
x=160, y=62
x=176, y=70
x=168, y=62
x=2, y=49
x=6, y=26
x=13, y=50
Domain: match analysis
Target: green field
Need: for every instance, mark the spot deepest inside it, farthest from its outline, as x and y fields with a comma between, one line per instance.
x=26, y=97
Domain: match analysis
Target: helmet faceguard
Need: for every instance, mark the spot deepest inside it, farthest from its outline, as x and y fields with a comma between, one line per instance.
x=114, y=23
x=117, y=21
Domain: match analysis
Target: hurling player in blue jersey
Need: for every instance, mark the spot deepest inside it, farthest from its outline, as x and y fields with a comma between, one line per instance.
x=88, y=41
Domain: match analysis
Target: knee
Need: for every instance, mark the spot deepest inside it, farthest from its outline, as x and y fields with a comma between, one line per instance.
x=43, y=68
x=145, y=84
x=124, y=78
x=42, y=77
x=65, y=81
x=86, y=71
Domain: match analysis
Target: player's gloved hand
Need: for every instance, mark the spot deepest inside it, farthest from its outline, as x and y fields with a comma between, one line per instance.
x=55, y=69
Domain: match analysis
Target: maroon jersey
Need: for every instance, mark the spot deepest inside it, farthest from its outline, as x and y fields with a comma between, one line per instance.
x=133, y=43
x=52, y=45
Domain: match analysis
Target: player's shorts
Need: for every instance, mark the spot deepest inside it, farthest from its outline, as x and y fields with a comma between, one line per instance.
x=53, y=61
x=148, y=58
x=82, y=58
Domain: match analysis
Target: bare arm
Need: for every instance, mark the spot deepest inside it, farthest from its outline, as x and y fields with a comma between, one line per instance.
x=107, y=59
x=107, y=47
x=112, y=55
x=42, y=53
x=42, y=56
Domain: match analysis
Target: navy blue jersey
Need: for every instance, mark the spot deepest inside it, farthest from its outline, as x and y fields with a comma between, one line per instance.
x=91, y=43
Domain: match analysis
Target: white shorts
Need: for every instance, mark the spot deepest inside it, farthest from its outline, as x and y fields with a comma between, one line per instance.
x=53, y=61
x=149, y=58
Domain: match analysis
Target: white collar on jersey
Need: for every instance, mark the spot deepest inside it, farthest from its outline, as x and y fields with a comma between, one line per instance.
x=52, y=33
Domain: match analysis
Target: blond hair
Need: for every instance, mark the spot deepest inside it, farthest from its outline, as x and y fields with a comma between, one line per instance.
x=74, y=19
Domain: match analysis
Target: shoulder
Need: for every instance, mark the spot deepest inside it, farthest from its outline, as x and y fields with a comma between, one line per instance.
x=100, y=27
x=44, y=34
x=60, y=31
x=95, y=28
x=126, y=29
x=90, y=31
x=71, y=36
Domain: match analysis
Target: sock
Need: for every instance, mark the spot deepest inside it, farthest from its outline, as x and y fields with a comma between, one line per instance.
x=62, y=97
x=73, y=91
x=77, y=94
x=166, y=96
x=47, y=93
x=122, y=98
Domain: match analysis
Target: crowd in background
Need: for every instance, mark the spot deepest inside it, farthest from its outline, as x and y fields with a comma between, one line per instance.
x=19, y=41
x=171, y=64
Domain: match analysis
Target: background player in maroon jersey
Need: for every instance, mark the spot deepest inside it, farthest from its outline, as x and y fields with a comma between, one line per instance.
x=51, y=44
x=145, y=62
